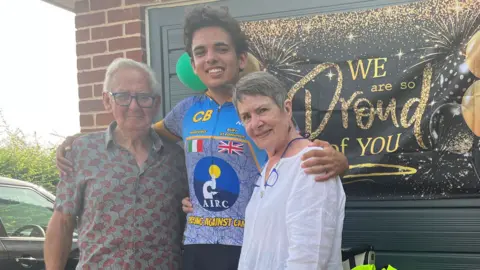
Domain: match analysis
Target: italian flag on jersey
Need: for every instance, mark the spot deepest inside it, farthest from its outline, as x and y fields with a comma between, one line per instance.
x=195, y=146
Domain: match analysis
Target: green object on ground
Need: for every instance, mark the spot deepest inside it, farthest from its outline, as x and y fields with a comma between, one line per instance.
x=365, y=267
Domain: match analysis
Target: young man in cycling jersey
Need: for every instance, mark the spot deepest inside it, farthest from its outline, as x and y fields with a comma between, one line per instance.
x=222, y=162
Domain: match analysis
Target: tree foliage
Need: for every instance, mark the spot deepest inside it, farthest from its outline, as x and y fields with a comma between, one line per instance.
x=24, y=158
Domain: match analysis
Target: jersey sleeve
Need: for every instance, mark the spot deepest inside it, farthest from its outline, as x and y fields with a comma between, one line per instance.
x=172, y=124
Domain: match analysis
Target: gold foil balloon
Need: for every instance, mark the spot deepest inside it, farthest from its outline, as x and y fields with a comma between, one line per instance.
x=471, y=107
x=252, y=65
x=473, y=54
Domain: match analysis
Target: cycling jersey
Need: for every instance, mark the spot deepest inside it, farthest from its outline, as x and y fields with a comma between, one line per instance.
x=223, y=164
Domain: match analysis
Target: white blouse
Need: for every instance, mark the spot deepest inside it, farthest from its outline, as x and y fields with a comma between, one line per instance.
x=296, y=223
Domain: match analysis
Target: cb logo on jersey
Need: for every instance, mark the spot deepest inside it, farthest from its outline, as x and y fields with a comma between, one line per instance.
x=202, y=116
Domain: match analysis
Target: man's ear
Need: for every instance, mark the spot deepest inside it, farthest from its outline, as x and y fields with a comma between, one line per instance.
x=242, y=60
x=158, y=102
x=107, y=99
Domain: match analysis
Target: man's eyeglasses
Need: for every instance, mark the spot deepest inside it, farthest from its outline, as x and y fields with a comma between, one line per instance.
x=124, y=99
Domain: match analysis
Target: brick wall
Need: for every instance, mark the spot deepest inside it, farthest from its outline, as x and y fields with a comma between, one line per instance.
x=105, y=30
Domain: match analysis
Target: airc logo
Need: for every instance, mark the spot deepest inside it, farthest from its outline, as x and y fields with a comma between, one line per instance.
x=216, y=184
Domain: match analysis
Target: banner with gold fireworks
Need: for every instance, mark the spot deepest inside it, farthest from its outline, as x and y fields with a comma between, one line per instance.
x=396, y=89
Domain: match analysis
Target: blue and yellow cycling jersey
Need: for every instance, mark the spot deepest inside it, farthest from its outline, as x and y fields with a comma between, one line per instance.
x=223, y=164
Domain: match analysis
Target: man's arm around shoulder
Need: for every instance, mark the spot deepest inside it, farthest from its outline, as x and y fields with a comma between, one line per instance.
x=172, y=125
x=164, y=132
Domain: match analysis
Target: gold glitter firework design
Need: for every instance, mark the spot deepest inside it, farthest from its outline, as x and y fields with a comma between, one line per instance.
x=278, y=55
x=311, y=51
x=446, y=40
x=450, y=159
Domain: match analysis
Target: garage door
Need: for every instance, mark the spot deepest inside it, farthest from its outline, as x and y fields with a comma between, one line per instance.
x=412, y=189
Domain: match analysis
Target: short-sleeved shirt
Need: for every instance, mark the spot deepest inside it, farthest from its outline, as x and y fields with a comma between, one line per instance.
x=129, y=217
x=222, y=164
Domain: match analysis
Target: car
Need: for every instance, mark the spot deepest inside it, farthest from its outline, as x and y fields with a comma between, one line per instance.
x=25, y=210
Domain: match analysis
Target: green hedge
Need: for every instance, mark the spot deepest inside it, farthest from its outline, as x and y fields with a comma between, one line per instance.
x=26, y=159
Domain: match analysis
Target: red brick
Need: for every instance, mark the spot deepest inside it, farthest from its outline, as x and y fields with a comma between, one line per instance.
x=107, y=32
x=95, y=105
x=133, y=2
x=137, y=55
x=134, y=28
x=91, y=48
x=85, y=91
x=84, y=63
x=88, y=130
x=103, y=119
x=104, y=4
x=105, y=59
x=81, y=6
x=86, y=20
x=98, y=90
x=86, y=120
x=120, y=15
x=83, y=35
x=87, y=77
x=119, y=44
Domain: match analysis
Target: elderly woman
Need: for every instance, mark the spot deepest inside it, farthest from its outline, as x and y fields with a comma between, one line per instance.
x=126, y=185
x=292, y=221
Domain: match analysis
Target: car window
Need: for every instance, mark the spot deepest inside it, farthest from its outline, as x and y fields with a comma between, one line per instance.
x=20, y=207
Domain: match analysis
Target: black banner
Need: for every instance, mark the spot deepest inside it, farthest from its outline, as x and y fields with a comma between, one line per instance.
x=393, y=88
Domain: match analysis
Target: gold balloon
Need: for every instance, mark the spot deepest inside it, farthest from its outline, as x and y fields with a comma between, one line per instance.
x=252, y=65
x=472, y=54
x=471, y=107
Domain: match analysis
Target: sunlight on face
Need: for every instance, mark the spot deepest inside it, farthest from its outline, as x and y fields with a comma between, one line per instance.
x=132, y=117
x=215, y=60
x=264, y=121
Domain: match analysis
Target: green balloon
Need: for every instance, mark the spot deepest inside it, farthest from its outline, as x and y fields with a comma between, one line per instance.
x=187, y=76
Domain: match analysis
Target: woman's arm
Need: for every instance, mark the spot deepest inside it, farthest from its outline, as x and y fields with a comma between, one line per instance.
x=312, y=219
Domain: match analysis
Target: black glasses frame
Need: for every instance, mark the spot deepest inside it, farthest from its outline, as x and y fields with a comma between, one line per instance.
x=132, y=97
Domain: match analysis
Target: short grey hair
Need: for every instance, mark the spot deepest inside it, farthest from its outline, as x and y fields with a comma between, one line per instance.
x=124, y=63
x=260, y=83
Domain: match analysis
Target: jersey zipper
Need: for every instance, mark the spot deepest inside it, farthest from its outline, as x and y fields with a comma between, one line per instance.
x=212, y=143
x=215, y=129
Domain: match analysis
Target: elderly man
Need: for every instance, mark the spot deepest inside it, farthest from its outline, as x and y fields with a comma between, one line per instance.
x=126, y=185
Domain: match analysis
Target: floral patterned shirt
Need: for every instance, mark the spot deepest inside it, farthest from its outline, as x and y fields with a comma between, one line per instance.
x=129, y=217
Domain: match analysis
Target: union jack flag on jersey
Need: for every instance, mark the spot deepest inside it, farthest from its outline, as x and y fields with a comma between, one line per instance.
x=230, y=147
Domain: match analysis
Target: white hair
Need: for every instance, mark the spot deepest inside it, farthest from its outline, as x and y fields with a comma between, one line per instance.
x=260, y=83
x=123, y=63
